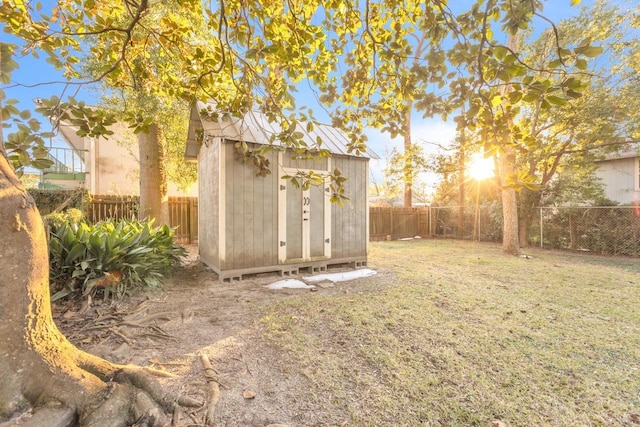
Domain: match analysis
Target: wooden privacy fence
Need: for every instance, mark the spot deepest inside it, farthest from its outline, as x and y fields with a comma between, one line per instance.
x=396, y=223
x=183, y=213
x=384, y=222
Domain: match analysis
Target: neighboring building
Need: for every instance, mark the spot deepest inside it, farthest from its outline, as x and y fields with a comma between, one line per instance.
x=251, y=224
x=620, y=174
x=102, y=166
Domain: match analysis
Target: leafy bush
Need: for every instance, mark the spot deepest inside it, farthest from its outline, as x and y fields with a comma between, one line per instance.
x=49, y=201
x=116, y=257
x=70, y=216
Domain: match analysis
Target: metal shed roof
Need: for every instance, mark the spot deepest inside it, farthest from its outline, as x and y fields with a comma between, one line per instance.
x=255, y=127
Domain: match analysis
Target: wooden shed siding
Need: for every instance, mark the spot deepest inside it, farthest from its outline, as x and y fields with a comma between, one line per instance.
x=349, y=221
x=208, y=206
x=251, y=212
x=267, y=222
x=289, y=160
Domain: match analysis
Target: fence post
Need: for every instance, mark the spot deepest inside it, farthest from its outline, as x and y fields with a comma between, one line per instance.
x=541, y=230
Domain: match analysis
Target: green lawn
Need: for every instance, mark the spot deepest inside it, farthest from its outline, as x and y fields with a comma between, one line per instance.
x=454, y=333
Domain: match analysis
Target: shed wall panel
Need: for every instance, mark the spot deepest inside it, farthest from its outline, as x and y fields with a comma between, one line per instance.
x=251, y=214
x=208, y=205
x=289, y=160
x=349, y=221
x=267, y=222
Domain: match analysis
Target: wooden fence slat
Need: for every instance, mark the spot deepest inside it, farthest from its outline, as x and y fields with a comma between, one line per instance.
x=384, y=222
x=183, y=213
x=397, y=222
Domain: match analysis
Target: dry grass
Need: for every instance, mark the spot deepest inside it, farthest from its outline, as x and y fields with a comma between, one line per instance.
x=454, y=333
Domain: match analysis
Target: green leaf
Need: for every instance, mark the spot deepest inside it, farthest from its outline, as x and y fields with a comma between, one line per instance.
x=581, y=64
x=75, y=252
x=589, y=51
x=61, y=294
x=556, y=100
x=555, y=64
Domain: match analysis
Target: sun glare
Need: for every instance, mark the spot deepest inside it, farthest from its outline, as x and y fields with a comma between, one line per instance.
x=480, y=168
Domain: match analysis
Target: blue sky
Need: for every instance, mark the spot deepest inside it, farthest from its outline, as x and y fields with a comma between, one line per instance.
x=39, y=74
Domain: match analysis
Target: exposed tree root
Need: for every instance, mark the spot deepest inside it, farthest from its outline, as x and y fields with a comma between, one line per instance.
x=38, y=365
x=213, y=389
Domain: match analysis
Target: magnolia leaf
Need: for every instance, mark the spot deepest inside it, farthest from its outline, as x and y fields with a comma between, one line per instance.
x=555, y=64
x=496, y=100
x=589, y=51
x=556, y=100
x=581, y=64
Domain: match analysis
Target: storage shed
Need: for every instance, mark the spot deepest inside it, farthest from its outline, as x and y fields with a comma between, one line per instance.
x=252, y=224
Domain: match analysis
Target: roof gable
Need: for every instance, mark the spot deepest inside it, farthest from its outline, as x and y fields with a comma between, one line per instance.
x=255, y=127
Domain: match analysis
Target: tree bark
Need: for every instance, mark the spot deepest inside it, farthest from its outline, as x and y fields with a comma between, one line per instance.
x=37, y=363
x=154, y=201
x=528, y=202
x=510, y=244
x=461, y=187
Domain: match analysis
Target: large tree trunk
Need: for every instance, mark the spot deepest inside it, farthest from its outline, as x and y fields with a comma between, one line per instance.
x=510, y=244
x=37, y=363
x=461, y=195
x=154, y=201
x=528, y=202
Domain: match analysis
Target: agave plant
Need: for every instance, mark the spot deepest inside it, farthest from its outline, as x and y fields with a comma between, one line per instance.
x=115, y=256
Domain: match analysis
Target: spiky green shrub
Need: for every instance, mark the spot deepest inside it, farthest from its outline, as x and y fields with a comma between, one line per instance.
x=115, y=256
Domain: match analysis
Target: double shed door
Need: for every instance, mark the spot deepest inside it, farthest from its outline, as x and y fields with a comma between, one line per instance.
x=304, y=223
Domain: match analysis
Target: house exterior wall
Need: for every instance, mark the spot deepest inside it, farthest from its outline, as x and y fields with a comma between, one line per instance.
x=111, y=165
x=621, y=179
x=114, y=166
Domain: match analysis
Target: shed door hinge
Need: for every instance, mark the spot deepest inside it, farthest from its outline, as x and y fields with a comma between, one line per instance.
x=282, y=243
x=282, y=187
x=327, y=240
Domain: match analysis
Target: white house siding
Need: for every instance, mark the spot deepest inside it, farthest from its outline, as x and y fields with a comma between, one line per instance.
x=621, y=179
x=112, y=165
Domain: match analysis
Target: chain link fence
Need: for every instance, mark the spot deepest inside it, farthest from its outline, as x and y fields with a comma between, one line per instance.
x=482, y=222
x=608, y=230
x=601, y=230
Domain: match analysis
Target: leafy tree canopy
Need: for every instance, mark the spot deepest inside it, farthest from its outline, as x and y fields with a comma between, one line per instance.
x=246, y=55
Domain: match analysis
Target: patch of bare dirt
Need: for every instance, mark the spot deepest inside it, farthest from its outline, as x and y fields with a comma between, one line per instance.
x=193, y=315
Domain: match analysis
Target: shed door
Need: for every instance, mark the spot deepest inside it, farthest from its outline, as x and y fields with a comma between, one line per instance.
x=305, y=226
